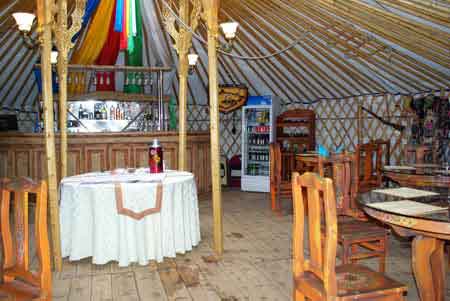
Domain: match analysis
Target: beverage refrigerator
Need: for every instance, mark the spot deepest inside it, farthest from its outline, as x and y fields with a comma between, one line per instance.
x=258, y=131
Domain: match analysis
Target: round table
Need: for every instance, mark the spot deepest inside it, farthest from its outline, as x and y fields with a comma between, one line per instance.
x=430, y=231
x=419, y=175
x=128, y=216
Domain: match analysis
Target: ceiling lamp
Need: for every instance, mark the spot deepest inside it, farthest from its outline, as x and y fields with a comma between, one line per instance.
x=54, y=57
x=229, y=31
x=192, y=59
x=24, y=21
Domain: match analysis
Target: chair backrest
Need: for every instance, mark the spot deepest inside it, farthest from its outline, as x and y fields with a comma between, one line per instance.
x=417, y=153
x=368, y=159
x=281, y=164
x=16, y=238
x=316, y=194
x=386, y=150
x=345, y=180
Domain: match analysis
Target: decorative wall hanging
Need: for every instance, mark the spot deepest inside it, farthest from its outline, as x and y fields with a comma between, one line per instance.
x=232, y=97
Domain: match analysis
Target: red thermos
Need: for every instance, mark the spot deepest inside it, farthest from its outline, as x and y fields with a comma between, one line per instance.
x=155, y=157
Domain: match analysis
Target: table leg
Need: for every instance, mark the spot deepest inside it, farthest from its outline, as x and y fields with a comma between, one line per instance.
x=428, y=267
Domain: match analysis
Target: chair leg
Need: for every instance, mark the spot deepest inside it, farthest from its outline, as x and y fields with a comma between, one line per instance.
x=383, y=246
x=273, y=197
x=297, y=296
x=346, y=251
x=354, y=250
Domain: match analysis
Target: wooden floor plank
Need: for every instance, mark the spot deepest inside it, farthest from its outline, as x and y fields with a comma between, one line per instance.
x=124, y=287
x=102, y=288
x=80, y=289
x=149, y=285
x=256, y=264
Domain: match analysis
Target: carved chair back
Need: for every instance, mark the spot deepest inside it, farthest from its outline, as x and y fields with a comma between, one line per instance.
x=368, y=160
x=385, y=150
x=315, y=195
x=417, y=154
x=282, y=164
x=15, y=198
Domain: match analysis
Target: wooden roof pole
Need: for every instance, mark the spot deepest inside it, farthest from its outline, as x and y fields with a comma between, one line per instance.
x=63, y=53
x=183, y=49
x=44, y=12
x=211, y=13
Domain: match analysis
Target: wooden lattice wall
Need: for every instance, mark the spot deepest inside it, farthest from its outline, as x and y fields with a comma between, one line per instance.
x=339, y=122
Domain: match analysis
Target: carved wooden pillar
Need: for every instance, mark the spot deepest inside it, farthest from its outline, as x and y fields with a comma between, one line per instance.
x=45, y=17
x=63, y=37
x=63, y=52
x=211, y=9
x=183, y=49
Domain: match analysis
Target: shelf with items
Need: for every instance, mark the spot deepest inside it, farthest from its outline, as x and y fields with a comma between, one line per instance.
x=118, y=98
x=296, y=130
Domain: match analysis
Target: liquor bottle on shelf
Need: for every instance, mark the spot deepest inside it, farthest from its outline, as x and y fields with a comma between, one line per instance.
x=97, y=113
x=80, y=112
x=112, y=114
x=104, y=113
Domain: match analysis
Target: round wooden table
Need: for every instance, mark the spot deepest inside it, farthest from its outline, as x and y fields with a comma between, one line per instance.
x=418, y=175
x=430, y=231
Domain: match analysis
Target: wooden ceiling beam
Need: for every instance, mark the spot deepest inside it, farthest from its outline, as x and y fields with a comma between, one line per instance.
x=430, y=44
x=428, y=12
x=363, y=54
x=290, y=28
x=296, y=55
x=253, y=50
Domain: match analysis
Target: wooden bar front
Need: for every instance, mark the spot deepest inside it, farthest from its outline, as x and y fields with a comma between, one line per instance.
x=23, y=154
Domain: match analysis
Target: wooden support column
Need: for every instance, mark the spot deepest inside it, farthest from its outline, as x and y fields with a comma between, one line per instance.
x=183, y=49
x=63, y=53
x=45, y=11
x=211, y=10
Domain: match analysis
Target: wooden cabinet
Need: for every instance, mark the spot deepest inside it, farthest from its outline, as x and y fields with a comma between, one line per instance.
x=296, y=130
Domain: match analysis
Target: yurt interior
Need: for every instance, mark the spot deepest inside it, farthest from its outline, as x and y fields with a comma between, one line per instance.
x=225, y=150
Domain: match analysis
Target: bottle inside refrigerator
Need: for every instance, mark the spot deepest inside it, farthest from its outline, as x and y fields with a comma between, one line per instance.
x=258, y=133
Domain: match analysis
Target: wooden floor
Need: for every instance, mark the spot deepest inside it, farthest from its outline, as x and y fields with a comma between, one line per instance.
x=256, y=264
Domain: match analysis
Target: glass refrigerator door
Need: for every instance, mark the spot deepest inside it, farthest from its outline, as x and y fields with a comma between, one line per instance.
x=256, y=148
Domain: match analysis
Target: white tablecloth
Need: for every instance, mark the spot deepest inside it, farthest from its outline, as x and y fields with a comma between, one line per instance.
x=91, y=225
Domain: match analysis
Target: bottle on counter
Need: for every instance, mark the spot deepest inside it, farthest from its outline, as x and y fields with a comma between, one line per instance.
x=155, y=157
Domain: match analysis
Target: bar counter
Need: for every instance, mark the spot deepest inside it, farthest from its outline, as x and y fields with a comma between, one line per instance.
x=23, y=154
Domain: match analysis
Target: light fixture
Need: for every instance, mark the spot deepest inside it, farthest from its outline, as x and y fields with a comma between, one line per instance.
x=192, y=59
x=54, y=57
x=24, y=21
x=229, y=31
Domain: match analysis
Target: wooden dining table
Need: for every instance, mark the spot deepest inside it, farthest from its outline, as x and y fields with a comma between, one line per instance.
x=419, y=175
x=311, y=161
x=429, y=231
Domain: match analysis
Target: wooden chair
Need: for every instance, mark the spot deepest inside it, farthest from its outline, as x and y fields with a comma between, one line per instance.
x=317, y=277
x=359, y=238
x=18, y=281
x=416, y=153
x=385, y=150
x=281, y=167
x=368, y=159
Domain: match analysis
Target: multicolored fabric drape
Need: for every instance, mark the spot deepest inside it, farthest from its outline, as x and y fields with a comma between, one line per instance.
x=134, y=50
x=115, y=25
x=93, y=43
x=108, y=56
